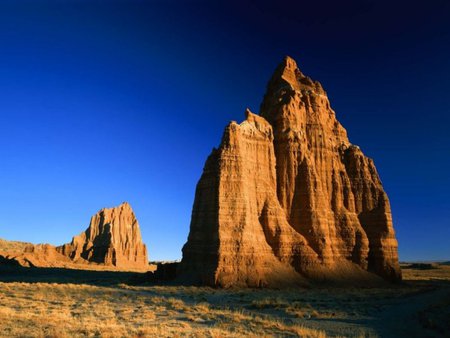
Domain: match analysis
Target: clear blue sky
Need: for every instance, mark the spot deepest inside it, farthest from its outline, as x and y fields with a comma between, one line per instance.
x=105, y=102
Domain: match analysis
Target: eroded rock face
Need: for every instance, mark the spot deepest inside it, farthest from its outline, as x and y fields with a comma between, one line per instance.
x=112, y=238
x=228, y=243
x=287, y=196
x=111, y=242
x=35, y=255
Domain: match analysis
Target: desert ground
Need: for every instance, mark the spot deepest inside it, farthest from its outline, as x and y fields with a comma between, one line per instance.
x=49, y=302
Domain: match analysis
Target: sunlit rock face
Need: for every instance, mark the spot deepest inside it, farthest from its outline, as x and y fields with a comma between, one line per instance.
x=32, y=255
x=112, y=238
x=286, y=197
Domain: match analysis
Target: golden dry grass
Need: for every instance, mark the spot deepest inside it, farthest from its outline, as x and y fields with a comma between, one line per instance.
x=437, y=272
x=70, y=310
x=88, y=304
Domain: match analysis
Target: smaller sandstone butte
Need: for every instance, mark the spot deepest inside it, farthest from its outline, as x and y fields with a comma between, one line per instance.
x=111, y=242
x=113, y=238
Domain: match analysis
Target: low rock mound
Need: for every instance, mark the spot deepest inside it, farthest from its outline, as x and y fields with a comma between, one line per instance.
x=39, y=255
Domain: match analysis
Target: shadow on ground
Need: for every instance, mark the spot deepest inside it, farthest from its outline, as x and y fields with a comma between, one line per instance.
x=420, y=306
x=64, y=276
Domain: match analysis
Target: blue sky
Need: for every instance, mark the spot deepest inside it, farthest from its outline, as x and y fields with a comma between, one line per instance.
x=102, y=103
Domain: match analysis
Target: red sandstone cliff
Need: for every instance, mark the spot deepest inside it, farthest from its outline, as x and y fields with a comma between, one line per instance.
x=112, y=238
x=287, y=196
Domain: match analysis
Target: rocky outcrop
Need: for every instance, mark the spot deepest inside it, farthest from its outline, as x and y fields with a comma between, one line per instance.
x=287, y=196
x=13, y=246
x=112, y=241
x=113, y=238
x=35, y=255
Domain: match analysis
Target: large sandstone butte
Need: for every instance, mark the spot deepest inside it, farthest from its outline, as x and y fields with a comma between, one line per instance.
x=113, y=238
x=287, y=197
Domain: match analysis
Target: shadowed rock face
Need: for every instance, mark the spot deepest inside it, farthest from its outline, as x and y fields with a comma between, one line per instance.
x=112, y=238
x=287, y=196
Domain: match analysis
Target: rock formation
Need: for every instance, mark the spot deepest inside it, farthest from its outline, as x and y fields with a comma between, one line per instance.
x=36, y=255
x=112, y=238
x=287, y=196
x=12, y=246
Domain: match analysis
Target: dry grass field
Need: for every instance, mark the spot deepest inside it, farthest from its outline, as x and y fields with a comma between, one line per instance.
x=73, y=303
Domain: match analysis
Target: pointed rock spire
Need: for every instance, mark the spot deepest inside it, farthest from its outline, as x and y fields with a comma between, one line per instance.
x=286, y=196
